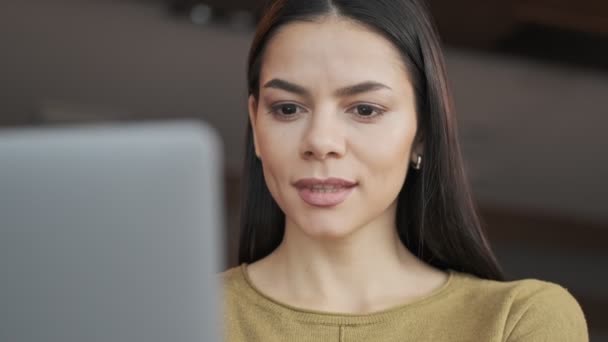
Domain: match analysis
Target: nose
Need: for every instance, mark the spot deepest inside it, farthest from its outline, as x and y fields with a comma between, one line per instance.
x=324, y=137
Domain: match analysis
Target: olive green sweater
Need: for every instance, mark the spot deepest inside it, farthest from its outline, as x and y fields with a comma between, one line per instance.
x=465, y=308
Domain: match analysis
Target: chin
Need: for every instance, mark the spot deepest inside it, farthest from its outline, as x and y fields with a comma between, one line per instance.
x=326, y=230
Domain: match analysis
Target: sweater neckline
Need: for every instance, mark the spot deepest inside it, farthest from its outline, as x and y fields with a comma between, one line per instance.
x=339, y=318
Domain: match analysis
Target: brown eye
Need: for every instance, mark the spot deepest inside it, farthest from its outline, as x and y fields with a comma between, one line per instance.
x=288, y=109
x=285, y=111
x=365, y=110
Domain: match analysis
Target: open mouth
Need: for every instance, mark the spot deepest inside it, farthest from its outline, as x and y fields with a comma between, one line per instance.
x=326, y=188
x=325, y=196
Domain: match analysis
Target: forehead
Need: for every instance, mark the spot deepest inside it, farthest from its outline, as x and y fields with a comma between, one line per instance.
x=335, y=50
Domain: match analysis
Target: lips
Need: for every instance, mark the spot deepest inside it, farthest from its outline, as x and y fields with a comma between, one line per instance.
x=324, y=192
x=329, y=182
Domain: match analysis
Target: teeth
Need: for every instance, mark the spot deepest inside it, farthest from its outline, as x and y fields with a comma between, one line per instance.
x=325, y=188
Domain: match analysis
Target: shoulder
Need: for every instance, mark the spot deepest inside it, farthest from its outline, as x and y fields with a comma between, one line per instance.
x=545, y=311
x=534, y=310
x=230, y=274
x=230, y=279
x=236, y=308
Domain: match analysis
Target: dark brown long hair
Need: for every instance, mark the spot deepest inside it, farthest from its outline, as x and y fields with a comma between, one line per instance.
x=436, y=216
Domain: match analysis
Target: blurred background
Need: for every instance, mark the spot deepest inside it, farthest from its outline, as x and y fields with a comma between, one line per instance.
x=530, y=80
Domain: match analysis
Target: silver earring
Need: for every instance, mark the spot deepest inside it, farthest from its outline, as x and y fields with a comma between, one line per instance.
x=418, y=164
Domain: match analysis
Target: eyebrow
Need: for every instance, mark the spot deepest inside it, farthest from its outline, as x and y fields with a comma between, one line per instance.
x=358, y=88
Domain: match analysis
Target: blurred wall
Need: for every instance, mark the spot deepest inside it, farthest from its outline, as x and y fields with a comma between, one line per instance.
x=71, y=60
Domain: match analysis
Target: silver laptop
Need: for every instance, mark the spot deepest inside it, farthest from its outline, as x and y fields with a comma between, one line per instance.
x=110, y=233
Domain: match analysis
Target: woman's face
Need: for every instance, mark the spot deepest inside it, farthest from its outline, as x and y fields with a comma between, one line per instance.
x=335, y=102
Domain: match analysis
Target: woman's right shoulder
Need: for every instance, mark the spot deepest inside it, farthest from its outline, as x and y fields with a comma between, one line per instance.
x=231, y=279
x=229, y=273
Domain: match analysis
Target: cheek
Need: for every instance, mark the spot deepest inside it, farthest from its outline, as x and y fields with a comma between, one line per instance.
x=386, y=150
x=385, y=159
x=277, y=144
x=278, y=150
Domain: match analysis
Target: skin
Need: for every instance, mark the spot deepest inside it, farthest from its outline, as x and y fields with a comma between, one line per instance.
x=347, y=258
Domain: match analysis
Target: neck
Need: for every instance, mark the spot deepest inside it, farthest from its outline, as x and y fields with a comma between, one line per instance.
x=346, y=274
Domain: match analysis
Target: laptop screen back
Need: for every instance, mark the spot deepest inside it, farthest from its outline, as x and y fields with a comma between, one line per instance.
x=110, y=233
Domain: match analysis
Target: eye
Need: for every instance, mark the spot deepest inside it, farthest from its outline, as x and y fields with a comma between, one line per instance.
x=366, y=111
x=285, y=110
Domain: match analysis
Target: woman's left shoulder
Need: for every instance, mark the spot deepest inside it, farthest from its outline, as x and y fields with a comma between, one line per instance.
x=538, y=310
x=545, y=311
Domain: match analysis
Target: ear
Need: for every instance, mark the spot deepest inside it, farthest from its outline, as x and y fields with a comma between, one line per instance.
x=417, y=148
x=253, y=113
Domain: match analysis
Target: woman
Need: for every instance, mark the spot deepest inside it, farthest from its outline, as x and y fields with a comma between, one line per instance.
x=357, y=221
